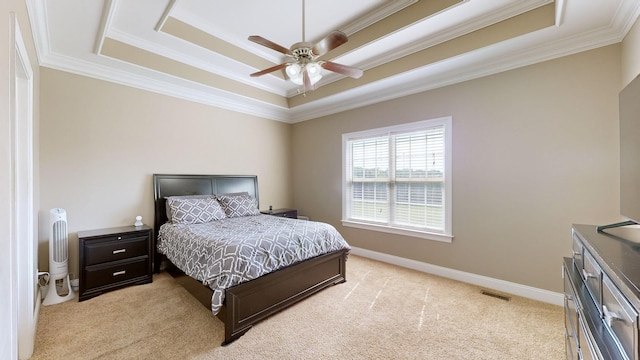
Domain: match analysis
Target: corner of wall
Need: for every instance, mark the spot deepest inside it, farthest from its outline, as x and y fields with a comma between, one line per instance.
x=630, y=57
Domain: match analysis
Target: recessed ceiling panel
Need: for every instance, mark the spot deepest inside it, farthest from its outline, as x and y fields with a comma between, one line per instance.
x=199, y=50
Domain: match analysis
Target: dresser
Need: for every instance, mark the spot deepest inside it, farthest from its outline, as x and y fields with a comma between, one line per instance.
x=602, y=294
x=113, y=258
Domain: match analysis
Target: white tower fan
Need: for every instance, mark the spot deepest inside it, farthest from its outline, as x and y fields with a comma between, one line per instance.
x=58, y=258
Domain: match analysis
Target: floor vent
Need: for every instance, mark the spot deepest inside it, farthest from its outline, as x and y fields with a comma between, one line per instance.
x=497, y=296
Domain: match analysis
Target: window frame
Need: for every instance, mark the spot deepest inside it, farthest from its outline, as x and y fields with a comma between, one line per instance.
x=446, y=235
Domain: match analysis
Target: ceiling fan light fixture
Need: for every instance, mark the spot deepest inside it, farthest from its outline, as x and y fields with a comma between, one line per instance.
x=298, y=80
x=313, y=69
x=307, y=69
x=294, y=70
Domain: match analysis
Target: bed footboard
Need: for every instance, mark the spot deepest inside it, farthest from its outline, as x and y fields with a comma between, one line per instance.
x=253, y=301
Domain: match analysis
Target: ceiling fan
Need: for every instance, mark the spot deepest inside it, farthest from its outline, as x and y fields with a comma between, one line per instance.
x=304, y=66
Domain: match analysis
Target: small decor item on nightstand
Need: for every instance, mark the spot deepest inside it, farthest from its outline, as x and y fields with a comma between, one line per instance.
x=138, y=221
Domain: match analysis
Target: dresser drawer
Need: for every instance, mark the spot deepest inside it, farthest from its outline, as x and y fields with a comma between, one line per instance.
x=577, y=252
x=115, y=249
x=588, y=349
x=570, y=308
x=621, y=319
x=114, y=273
x=570, y=348
x=592, y=276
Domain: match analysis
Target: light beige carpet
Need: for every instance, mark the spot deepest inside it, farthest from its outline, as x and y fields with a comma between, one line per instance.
x=381, y=312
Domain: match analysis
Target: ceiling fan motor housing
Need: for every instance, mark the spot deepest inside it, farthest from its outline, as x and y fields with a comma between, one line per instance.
x=303, y=52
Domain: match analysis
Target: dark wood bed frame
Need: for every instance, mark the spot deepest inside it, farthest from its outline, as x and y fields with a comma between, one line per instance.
x=247, y=303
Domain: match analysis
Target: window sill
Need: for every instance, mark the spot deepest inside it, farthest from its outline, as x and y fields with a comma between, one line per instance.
x=398, y=231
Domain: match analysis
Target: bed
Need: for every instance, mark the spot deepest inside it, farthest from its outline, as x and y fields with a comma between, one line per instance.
x=248, y=302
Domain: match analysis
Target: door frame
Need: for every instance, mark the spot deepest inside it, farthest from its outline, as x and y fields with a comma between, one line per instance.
x=24, y=242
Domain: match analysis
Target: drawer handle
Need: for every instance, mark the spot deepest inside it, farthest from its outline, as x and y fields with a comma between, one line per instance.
x=610, y=316
x=119, y=251
x=577, y=253
x=122, y=272
x=588, y=274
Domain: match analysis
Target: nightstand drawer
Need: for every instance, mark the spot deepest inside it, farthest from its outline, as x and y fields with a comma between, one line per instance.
x=101, y=252
x=288, y=213
x=113, y=258
x=113, y=273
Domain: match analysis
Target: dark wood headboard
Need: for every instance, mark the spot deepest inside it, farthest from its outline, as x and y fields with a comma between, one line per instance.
x=165, y=185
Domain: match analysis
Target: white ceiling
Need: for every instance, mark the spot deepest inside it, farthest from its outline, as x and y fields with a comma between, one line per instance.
x=131, y=42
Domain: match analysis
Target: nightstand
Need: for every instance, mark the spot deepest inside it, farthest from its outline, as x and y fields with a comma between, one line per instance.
x=114, y=258
x=290, y=213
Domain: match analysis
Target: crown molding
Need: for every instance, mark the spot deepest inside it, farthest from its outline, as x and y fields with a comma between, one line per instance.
x=36, y=10
x=199, y=63
x=435, y=76
x=408, y=83
x=464, y=28
x=165, y=15
x=390, y=8
x=108, y=11
x=627, y=14
x=167, y=85
x=468, y=66
x=440, y=37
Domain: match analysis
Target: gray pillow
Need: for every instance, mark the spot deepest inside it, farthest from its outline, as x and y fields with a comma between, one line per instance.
x=236, y=205
x=168, y=209
x=195, y=210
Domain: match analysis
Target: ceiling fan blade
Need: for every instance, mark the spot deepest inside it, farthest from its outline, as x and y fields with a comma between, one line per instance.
x=271, y=69
x=270, y=44
x=308, y=86
x=342, y=69
x=330, y=42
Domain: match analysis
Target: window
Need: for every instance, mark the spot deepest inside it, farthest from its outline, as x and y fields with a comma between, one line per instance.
x=398, y=179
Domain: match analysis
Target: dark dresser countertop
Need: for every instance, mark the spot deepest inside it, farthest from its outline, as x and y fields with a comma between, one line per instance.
x=617, y=250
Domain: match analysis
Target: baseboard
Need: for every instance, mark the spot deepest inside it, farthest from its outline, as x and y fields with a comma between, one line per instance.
x=478, y=280
x=27, y=345
x=36, y=315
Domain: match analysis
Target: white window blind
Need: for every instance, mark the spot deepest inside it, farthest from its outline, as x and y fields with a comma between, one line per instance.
x=398, y=177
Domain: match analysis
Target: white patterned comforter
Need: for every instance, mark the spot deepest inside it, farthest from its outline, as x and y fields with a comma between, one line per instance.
x=227, y=252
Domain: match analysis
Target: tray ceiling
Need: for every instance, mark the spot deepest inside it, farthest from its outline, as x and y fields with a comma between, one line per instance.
x=198, y=50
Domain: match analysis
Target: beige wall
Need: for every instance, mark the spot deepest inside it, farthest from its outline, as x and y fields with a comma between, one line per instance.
x=101, y=143
x=535, y=150
x=631, y=55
